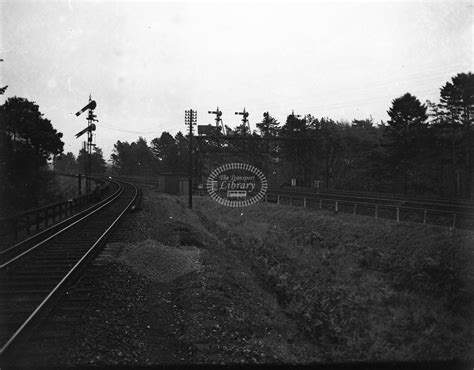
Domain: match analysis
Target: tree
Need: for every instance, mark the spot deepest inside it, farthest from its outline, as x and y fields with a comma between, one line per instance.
x=135, y=159
x=404, y=134
x=455, y=117
x=296, y=150
x=242, y=129
x=182, y=145
x=331, y=149
x=97, y=161
x=363, y=156
x=65, y=163
x=269, y=126
x=165, y=151
x=27, y=142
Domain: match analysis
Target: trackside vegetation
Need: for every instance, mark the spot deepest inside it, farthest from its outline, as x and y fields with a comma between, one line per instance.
x=358, y=289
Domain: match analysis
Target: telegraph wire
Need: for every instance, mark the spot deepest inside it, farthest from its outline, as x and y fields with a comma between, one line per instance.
x=130, y=131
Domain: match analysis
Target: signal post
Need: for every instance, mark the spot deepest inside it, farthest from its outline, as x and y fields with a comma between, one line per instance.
x=91, y=118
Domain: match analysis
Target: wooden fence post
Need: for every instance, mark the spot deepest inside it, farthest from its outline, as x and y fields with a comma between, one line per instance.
x=398, y=214
x=335, y=206
x=304, y=202
x=355, y=208
x=278, y=199
x=424, y=216
x=320, y=204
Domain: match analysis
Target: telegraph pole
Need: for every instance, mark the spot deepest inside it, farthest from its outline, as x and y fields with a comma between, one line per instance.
x=190, y=118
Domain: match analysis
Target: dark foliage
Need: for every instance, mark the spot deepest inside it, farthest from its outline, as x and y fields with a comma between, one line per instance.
x=28, y=140
x=424, y=149
x=65, y=163
x=134, y=159
x=97, y=161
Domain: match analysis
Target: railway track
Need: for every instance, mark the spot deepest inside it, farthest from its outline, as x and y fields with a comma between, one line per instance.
x=451, y=213
x=37, y=272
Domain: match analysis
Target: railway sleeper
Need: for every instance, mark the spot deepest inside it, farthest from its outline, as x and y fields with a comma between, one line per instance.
x=37, y=271
x=40, y=274
x=55, y=261
x=66, y=264
x=24, y=294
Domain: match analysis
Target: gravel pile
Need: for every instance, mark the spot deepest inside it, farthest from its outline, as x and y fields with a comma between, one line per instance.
x=159, y=262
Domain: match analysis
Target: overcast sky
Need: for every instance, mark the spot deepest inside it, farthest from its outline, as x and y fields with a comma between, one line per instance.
x=145, y=63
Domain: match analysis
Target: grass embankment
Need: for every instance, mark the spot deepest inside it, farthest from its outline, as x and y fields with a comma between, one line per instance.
x=358, y=289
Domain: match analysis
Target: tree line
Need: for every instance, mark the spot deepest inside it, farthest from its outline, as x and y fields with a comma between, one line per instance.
x=69, y=164
x=424, y=148
x=27, y=141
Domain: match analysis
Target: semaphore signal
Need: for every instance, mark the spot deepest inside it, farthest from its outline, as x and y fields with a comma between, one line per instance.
x=245, y=121
x=91, y=118
x=92, y=105
x=218, y=118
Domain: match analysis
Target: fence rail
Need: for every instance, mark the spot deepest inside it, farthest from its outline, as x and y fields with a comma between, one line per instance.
x=455, y=206
x=44, y=216
x=397, y=213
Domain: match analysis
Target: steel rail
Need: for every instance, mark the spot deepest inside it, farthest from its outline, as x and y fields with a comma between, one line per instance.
x=343, y=194
x=56, y=225
x=56, y=290
x=110, y=200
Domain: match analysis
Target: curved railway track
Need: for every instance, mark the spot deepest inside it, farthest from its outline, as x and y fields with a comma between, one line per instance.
x=451, y=213
x=36, y=272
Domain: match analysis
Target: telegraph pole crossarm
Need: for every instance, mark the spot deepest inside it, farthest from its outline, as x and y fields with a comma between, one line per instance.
x=190, y=118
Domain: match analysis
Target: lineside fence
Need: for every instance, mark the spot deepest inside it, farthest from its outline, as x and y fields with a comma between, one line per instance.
x=37, y=218
x=427, y=213
x=398, y=213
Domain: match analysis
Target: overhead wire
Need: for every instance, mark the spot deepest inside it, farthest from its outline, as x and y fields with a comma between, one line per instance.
x=436, y=74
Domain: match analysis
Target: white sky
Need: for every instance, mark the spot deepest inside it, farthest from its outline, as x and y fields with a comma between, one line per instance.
x=145, y=63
